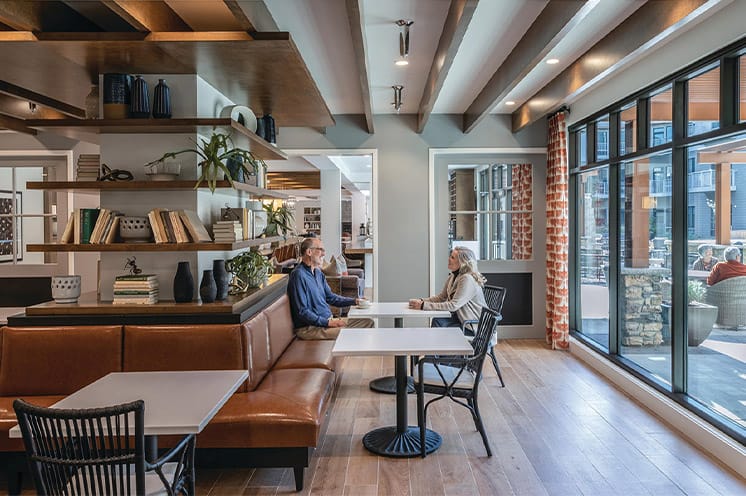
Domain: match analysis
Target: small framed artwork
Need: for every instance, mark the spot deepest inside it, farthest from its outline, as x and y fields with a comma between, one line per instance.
x=10, y=240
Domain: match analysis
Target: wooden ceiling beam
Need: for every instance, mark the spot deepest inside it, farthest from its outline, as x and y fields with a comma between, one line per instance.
x=147, y=16
x=550, y=26
x=357, y=30
x=240, y=15
x=457, y=21
x=14, y=124
x=36, y=15
x=648, y=25
x=15, y=91
x=100, y=15
x=253, y=12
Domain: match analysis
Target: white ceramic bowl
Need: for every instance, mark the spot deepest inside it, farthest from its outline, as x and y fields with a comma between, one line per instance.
x=65, y=289
x=135, y=229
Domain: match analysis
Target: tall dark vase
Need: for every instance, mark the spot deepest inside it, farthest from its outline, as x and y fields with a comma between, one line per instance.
x=183, y=283
x=140, y=103
x=260, y=127
x=222, y=279
x=162, y=100
x=270, y=132
x=208, y=290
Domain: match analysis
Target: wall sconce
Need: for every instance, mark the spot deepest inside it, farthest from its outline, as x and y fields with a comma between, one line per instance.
x=397, y=96
x=32, y=107
x=403, y=41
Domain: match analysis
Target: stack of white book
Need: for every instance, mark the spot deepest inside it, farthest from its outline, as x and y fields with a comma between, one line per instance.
x=88, y=167
x=227, y=231
x=135, y=289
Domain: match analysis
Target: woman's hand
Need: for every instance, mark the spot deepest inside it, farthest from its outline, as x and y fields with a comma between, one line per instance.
x=416, y=303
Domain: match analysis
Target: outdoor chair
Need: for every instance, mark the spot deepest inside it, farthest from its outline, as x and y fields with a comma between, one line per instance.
x=729, y=296
x=97, y=451
x=495, y=297
x=456, y=377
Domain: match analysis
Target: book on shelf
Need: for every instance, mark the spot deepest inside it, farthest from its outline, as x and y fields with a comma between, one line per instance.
x=85, y=220
x=138, y=300
x=194, y=226
x=135, y=292
x=111, y=234
x=67, y=235
x=182, y=236
x=168, y=226
x=238, y=214
x=136, y=277
x=156, y=225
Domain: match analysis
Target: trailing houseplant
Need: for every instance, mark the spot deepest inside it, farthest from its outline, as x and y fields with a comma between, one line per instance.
x=250, y=269
x=279, y=220
x=215, y=155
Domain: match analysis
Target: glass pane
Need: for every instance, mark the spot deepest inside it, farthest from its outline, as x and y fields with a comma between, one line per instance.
x=602, y=138
x=716, y=313
x=645, y=241
x=593, y=228
x=661, y=106
x=703, y=105
x=628, y=129
x=742, y=87
x=582, y=146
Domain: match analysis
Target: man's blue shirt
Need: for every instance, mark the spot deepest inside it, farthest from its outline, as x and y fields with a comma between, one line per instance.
x=310, y=297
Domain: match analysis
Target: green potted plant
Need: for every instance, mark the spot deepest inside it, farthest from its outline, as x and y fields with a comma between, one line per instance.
x=250, y=269
x=217, y=157
x=279, y=220
x=700, y=316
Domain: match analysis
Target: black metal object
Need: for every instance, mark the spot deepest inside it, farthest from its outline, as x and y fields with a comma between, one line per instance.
x=91, y=451
x=387, y=384
x=401, y=441
x=495, y=297
x=24, y=291
x=456, y=367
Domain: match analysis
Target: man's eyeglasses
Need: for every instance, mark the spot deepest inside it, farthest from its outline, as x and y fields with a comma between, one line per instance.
x=323, y=250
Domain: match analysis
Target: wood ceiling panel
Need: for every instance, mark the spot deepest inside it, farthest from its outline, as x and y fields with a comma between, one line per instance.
x=294, y=180
x=267, y=74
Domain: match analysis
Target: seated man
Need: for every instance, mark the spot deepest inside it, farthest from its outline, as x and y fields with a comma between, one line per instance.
x=731, y=267
x=310, y=297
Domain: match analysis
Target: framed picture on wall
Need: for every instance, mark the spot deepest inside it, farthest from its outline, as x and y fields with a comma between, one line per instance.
x=10, y=240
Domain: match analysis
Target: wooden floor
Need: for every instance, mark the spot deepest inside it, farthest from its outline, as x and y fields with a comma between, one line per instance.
x=558, y=428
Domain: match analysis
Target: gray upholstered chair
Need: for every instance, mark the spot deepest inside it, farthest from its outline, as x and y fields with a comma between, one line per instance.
x=729, y=296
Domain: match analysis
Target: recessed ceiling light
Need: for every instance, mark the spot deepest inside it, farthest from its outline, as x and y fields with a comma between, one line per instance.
x=510, y=102
x=552, y=61
x=402, y=62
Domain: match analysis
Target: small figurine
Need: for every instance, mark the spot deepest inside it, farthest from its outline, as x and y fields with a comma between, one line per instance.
x=132, y=266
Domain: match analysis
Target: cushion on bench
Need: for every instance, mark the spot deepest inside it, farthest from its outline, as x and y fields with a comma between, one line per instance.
x=8, y=418
x=307, y=354
x=64, y=359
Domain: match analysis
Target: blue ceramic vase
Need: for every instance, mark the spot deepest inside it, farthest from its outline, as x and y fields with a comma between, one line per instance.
x=139, y=103
x=162, y=100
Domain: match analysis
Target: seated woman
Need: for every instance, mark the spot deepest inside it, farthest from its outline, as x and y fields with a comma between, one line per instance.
x=462, y=294
x=705, y=261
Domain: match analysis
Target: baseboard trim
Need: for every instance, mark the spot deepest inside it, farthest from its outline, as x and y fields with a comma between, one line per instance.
x=726, y=449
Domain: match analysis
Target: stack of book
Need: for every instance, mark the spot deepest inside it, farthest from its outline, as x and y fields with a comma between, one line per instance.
x=139, y=289
x=88, y=167
x=227, y=231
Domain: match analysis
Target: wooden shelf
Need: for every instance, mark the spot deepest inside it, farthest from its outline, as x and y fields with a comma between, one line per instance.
x=258, y=146
x=69, y=247
x=88, y=304
x=150, y=186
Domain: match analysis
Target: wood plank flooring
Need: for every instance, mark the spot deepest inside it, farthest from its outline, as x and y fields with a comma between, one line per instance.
x=558, y=428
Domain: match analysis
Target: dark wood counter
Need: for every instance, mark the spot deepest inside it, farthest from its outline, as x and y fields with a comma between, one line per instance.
x=89, y=311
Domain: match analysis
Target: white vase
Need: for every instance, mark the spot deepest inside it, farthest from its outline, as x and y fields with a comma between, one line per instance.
x=65, y=289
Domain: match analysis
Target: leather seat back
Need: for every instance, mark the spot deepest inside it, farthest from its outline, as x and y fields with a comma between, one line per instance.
x=281, y=331
x=256, y=339
x=184, y=347
x=38, y=361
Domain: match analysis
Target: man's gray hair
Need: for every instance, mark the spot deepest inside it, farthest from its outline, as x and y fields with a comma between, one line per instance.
x=305, y=245
x=732, y=253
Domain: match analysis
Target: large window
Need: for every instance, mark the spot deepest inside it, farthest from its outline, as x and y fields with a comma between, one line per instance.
x=652, y=221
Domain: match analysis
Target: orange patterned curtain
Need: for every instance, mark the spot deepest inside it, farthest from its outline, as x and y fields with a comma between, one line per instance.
x=522, y=224
x=557, y=325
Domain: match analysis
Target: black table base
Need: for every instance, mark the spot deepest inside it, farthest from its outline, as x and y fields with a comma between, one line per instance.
x=387, y=385
x=388, y=441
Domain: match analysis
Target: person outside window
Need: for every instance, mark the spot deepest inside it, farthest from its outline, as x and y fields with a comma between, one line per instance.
x=705, y=261
x=310, y=297
x=462, y=294
x=731, y=267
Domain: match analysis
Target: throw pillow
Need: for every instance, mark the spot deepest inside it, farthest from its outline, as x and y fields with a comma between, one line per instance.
x=332, y=269
x=342, y=266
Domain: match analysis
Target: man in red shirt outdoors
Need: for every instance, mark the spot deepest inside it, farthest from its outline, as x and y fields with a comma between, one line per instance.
x=731, y=267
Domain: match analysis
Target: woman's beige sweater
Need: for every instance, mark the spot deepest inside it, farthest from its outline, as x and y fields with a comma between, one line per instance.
x=461, y=294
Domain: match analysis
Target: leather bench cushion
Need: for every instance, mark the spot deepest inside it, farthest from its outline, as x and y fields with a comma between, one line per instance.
x=281, y=332
x=8, y=418
x=259, y=356
x=286, y=410
x=37, y=361
x=183, y=347
x=307, y=354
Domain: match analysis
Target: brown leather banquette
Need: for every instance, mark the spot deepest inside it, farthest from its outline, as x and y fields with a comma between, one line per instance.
x=274, y=419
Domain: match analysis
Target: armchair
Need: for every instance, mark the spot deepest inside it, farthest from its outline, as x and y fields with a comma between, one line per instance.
x=349, y=286
x=456, y=377
x=98, y=456
x=728, y=296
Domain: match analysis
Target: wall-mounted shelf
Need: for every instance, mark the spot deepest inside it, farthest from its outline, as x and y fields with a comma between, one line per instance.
x=70, y=247
x=150, y=186
x=259, y=146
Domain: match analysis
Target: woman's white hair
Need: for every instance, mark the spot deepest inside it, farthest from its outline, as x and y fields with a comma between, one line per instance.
x=467, y=263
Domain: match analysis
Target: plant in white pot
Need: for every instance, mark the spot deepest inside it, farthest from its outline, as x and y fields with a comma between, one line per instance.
x=700, y=316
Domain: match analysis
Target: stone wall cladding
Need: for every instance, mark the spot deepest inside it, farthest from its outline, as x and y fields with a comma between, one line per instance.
x=642, y=312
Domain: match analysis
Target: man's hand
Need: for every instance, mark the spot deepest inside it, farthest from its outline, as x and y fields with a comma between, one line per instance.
x=337, y=323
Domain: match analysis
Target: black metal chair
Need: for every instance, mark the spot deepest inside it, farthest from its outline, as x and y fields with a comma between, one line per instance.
x=100, y=451
x=495, y=297
x=456, y=377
